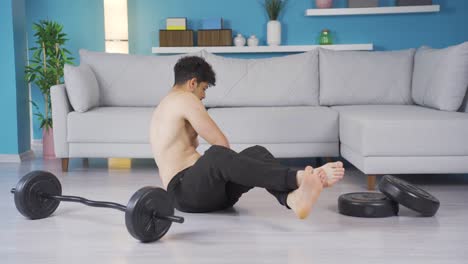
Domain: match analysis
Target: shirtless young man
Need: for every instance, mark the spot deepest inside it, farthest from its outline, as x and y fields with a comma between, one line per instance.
x=218, y=178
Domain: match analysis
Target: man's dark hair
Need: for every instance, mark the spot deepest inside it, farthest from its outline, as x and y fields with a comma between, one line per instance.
x=190, y=67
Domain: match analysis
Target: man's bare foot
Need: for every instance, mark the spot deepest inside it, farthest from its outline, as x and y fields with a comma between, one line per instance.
x=303, y=198
x=334, y=172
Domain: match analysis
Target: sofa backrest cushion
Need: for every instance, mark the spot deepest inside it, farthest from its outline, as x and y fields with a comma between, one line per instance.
x=363, y=77
x=440, y=77
x=82, y=87
x=132, y=80
x=290, y=80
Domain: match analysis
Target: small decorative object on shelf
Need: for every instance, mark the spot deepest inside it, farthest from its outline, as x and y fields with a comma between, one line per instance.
x=323, y=3
x=239, y=40
x=325, y=37
x=413, y=2
x=176, y=23
x=362, y=3
x=252, y=41
x=175, y=38
x=273, y=9
x=214, y=37
x=212, y=23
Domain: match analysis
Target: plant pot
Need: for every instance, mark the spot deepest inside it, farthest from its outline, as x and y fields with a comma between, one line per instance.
x=323, y=3
x=273, y=33
x=48, y=143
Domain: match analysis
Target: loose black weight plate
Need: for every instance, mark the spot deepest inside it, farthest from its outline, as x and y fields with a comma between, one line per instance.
x=141, y=209
x=27, y=199
x=409, y=195
x=367, y=204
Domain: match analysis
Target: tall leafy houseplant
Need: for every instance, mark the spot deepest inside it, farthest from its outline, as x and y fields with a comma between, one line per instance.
x=45, y=70
x=273, y=9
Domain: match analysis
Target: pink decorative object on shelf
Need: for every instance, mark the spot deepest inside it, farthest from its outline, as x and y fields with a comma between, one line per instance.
x=323, y=3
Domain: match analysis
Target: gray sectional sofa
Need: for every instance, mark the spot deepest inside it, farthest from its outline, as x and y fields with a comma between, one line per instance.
x=385, y=112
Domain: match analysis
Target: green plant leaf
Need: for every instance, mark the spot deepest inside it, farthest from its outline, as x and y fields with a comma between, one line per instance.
x=45, y=67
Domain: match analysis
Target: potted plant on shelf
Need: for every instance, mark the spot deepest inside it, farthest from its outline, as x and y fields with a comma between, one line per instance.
x=45, y=69
x=273, y=9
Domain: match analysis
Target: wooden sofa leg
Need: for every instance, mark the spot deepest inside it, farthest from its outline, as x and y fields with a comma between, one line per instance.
x=65, y=164
x=85, y=163
x=371, y=179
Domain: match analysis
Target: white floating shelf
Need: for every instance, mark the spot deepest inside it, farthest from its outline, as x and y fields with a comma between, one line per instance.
x=372, y=10
x=260, y=49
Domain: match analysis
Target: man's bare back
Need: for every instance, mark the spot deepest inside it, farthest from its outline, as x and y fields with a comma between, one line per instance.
x=175, y=125
x=173, y=139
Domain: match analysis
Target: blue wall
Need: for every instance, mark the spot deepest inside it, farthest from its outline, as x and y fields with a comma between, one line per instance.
x=14, y=94
x=387, y=32
x=84, y=23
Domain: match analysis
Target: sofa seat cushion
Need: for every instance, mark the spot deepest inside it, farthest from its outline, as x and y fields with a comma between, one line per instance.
x=110, y=125
x=261, y=125
x=403, y=130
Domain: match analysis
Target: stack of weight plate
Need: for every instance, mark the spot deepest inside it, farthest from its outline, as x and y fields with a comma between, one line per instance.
x=394, y=191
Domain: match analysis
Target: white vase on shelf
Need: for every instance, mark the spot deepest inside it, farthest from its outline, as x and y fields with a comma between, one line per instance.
x=273, y=33
x=239, y=40
x=252, y=41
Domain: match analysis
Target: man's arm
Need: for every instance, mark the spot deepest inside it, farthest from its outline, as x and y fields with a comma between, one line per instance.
x=196, y=114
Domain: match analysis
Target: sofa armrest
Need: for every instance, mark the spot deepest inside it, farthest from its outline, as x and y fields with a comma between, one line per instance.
x=60, y=109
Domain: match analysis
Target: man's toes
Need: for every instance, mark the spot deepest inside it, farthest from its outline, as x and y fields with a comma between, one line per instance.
x=320, y=172
x=339, y=164
x=309, y=168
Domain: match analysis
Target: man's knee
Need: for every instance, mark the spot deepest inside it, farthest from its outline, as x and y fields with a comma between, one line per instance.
x=216, y=152
x=260, y=148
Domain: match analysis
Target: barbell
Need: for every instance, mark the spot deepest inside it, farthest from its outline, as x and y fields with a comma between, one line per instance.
x=148, y=214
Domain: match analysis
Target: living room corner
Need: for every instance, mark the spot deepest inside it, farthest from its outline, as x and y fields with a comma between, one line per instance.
x=280, y=131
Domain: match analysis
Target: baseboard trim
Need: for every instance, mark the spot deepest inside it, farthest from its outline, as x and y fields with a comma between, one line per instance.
x=10, y=158
x=16, y=158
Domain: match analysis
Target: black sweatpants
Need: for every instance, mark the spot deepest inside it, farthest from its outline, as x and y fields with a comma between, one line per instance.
x=219, y=178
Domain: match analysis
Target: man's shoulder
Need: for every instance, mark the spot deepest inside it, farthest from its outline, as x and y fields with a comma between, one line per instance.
x=178, y=104
x=180, y=98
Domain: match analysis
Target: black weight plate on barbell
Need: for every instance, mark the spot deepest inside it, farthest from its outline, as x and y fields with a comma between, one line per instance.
x=409, y=195
x=140, y=210
x=27, y=199
x=367, y=204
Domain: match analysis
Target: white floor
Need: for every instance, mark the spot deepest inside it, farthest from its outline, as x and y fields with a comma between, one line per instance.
x=258, y=230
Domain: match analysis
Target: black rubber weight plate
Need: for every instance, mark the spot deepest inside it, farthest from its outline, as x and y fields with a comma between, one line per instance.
x=409, y=195
x=140, y=210
x=367, y=204
x=27, y=199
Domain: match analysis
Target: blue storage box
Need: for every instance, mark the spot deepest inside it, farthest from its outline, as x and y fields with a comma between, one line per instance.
x=212, y=23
